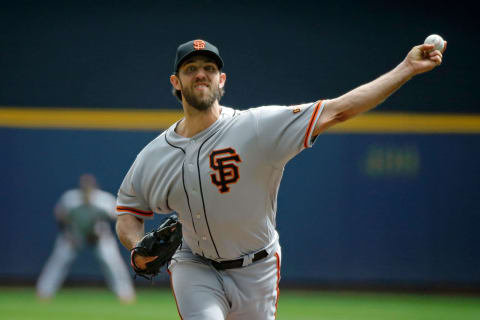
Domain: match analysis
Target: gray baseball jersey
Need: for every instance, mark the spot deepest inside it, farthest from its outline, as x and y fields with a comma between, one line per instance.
x=223, y=182
x=85, y=222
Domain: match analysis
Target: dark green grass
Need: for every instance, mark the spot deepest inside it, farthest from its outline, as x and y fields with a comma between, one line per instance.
x=101, y=304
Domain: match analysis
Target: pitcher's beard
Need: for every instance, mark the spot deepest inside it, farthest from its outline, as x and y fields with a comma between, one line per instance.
x=199, y=103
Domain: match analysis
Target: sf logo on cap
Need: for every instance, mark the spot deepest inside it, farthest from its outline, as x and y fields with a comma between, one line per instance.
x=198, y=44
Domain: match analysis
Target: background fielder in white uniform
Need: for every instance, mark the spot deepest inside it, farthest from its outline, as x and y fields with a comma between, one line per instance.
x=84, y=216
x=220, y=170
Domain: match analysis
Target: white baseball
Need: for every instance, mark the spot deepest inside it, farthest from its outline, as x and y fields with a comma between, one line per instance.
x=436, y=40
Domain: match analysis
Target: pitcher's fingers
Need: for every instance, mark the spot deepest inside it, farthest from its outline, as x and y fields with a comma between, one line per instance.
x=427, y=47
x=436, y=59
x=435, y=53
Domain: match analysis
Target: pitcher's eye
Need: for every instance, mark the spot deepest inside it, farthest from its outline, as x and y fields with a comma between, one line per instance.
x=190, y=69
x=211, y=67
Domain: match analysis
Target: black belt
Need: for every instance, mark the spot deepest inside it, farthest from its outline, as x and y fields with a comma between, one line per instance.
x=233, y=264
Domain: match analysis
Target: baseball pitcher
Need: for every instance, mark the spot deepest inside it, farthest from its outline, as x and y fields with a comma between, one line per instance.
x=219, y=169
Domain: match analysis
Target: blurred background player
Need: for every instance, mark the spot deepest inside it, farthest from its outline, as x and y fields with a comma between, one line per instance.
x=84, y=216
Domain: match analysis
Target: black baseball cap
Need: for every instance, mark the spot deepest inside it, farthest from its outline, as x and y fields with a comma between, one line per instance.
x=196, y=47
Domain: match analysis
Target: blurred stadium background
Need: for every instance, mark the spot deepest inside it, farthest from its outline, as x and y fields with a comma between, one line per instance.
x=386, y=203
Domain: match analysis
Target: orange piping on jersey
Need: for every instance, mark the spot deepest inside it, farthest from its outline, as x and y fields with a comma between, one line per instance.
x=173, y=291
x=135, y=211
x=278, y=282
x=310, y=125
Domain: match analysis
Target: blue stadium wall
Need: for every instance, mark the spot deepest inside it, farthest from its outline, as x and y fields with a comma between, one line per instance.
x=363, y=209
x=366, y=208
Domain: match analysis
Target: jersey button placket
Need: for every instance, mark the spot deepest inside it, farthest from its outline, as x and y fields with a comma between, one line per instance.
x=189, y=185
x=192, y=185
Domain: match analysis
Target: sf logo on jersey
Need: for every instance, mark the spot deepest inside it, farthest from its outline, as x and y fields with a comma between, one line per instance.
x=223, y=162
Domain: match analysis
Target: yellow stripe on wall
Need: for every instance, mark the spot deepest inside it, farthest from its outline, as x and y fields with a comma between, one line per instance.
x=121, y=119
x=115, y=119
x=376, y=122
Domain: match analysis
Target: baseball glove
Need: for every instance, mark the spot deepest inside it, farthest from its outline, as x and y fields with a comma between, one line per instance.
x=162, y=243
